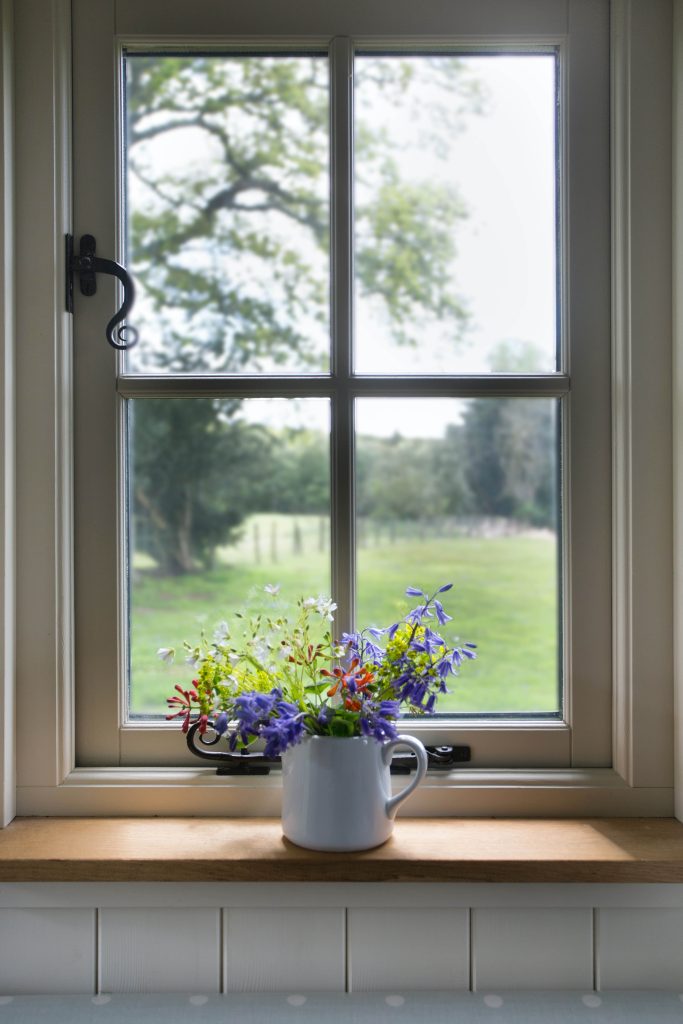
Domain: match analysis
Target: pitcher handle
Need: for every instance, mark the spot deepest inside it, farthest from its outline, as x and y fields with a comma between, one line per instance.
x=392, y=804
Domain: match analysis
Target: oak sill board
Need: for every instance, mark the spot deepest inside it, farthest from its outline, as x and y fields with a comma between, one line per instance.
x=421, y=849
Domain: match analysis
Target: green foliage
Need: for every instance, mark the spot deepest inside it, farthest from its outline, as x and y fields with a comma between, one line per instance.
x=509, y=464
x=409, y=479
x=230, y=246
x=406, y=259
x=267, y=650
x=182, y=516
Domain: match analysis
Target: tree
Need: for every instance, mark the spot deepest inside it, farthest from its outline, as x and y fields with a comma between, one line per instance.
x=186, y=515
x=227, y=161
x=509, y=456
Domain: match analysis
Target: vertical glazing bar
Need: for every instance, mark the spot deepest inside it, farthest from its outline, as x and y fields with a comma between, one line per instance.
x=341, y=110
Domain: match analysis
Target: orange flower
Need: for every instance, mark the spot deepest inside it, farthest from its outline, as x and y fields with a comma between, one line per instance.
x=354, y=679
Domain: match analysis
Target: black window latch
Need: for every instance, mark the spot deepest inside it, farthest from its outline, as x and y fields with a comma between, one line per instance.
x=86, y=264
x=441, y=759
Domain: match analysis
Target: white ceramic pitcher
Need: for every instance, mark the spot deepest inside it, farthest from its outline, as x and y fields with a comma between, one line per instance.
x=336, y=792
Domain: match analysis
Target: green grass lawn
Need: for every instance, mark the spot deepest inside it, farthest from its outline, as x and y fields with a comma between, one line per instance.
x=504, y=599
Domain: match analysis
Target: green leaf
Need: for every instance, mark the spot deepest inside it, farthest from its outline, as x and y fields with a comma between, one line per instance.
x=342, y=727
x=316, y=687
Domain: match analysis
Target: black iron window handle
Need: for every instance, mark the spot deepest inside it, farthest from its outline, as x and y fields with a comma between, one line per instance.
x=86, y=264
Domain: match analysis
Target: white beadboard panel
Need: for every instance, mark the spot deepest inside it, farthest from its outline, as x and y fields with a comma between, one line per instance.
x=284, y=949
x=639, y=948
x=407, y=948
x=47, y=951
x=334, y=894
x=144, y=949
x=539, y=948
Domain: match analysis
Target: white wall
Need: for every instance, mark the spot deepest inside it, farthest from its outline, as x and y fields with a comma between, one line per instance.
x=210, y=938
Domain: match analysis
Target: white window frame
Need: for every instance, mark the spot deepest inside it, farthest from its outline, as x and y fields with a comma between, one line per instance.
x=105, y=734
x=640, y=779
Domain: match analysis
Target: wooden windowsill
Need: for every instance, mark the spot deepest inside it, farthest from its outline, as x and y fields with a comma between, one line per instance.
x=421, y=850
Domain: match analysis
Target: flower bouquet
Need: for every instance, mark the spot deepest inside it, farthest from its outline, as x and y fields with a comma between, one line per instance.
x=328, y=708
x=276, y=681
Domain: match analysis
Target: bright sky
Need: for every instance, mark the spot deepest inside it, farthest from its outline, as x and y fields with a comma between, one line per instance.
x=502, y=165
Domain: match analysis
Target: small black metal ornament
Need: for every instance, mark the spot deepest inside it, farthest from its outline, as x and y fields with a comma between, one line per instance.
x=86, y=264
x=442, y=759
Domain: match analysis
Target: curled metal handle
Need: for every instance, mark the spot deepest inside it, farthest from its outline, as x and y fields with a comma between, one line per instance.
x=130, y=338
x=86, y=264
x=227, y=763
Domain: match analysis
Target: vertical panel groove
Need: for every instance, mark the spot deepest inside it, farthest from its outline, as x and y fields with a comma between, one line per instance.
x=470, y=947
x=347, y=963
x=98, y=980
x=221, y=951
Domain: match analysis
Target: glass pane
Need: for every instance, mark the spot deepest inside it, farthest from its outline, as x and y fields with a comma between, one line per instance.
x=225, y=497
x=466, y=492
x=227, y=212
x=455, y=185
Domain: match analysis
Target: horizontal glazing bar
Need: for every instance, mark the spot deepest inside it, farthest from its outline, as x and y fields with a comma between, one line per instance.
x=457, y=386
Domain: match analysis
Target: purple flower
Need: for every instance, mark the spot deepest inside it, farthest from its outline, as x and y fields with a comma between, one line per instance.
x=441, y=614
x=433, y=640
x=389, y=707
x=324, y=715
x=444, y=667
x=373, y=651
x=414, y=592
x=374, y=723
x=284, y=731
x=221, y=724
x=444, y=588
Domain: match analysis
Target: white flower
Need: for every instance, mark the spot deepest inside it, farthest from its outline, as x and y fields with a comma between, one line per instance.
x=193, y=660
x=166, y=654
x=325, y=607
x=272, y=588
x=261, y=649
x=221, y=632
x=229, y=681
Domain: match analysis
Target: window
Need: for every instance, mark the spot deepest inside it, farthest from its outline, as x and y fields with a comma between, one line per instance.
x=453, y=245
x=568, y=389
x=371, y=312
